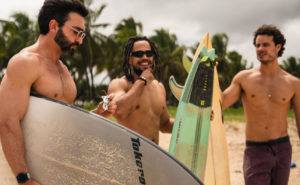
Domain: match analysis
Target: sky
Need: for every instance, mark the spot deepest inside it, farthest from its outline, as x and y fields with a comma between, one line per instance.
x=191, y=19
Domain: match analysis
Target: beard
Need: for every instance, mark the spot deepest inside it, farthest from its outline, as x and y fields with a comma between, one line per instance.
x=138, y=70
x=267, y=59
x=64, y=43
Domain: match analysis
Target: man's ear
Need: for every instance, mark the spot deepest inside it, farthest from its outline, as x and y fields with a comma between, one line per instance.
x=278, y=47
x=53, y=26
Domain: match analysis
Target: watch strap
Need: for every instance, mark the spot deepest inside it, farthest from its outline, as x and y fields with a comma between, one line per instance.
x=144, y=79
x=23, y=177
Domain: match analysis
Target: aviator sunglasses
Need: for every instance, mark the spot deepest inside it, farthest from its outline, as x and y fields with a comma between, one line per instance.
x=140, y=54
x=80, y=33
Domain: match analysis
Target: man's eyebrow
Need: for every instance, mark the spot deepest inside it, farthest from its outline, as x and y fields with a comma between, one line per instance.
x=78, y=28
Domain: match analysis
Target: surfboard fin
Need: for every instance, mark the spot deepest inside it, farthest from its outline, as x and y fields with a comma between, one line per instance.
x=175, y=87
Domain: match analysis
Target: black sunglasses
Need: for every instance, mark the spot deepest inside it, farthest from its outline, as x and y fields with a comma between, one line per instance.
x=139, y=54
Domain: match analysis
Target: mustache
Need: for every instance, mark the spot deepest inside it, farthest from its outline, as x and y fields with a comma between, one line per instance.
x=74, y=44
x=262, y=53
x=145, y=60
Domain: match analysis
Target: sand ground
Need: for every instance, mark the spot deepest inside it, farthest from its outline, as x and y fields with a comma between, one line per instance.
x=235, y=133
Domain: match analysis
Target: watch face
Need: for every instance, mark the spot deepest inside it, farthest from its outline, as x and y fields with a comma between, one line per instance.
x=23, y=177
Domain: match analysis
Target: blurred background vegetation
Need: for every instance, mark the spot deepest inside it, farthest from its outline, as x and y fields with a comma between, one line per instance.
x=102, y=54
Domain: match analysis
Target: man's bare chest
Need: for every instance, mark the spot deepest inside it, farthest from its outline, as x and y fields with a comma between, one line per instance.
x=55, y=85
x=151, y=101
x=278, y=92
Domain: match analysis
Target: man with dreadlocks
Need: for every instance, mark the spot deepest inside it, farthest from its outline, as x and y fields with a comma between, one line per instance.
x=140, y=99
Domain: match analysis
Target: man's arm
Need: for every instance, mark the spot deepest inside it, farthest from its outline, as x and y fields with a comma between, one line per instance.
x=296, y=105
x=14, y=97
x=127, y=99
x=232, y=93
x=166, y=123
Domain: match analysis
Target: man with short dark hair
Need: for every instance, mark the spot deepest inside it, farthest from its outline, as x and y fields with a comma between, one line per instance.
x=267, y=93
x=37, y=69
x=140, y=99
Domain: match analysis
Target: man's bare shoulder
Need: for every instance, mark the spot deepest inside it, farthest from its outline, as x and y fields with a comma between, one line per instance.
x=25, y=57
x=245, y=74
x=118, y=84
x=160, y=85
x=293, y=80
x=120, y=81
x=24, y=62
x=291, y=77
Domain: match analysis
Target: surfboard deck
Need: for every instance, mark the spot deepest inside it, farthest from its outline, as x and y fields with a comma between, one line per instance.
x=189, y=142
x=68, y=145
x=216, y=170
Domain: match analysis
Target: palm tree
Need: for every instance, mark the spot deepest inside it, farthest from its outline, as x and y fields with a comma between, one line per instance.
x=14, y=36
x=127, y=28
x=236, y=64
x=170, y=60
x=220, y=42
x=88, y=60
x=292, y=66
x=115, y=45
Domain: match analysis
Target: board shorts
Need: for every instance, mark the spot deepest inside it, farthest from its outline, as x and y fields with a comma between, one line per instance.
x=267, y=163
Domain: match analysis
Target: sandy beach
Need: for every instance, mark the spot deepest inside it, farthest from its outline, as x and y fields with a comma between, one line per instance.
x=235, y=133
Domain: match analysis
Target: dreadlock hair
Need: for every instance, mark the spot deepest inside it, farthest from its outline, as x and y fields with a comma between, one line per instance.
x=271, y=30
x=127, y=53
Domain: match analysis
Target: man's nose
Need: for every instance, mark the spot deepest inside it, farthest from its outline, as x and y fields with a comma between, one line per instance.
x=79, y=40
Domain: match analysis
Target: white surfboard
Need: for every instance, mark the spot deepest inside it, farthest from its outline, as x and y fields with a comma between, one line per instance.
x=68, y=145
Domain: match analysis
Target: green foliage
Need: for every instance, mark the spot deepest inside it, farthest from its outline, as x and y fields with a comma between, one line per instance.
x=234, y=114
x=89, y=106
x=115, y=44
x=292, y=66
x=101, y=52
x=170, y=60
x=172, y=111
x=14, y=36
x=88, y=60
x=230, y=114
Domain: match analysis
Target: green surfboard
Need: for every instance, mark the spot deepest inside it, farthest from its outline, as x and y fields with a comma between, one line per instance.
x=216, y=170
x=190, y=136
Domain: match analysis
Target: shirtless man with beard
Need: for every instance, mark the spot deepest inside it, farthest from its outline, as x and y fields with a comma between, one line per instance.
x=140, y=98
x=37, y=69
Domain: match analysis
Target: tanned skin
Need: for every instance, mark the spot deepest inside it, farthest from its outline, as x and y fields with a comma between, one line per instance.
x=36, y=69
x=267, y=93
x=140, y=107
